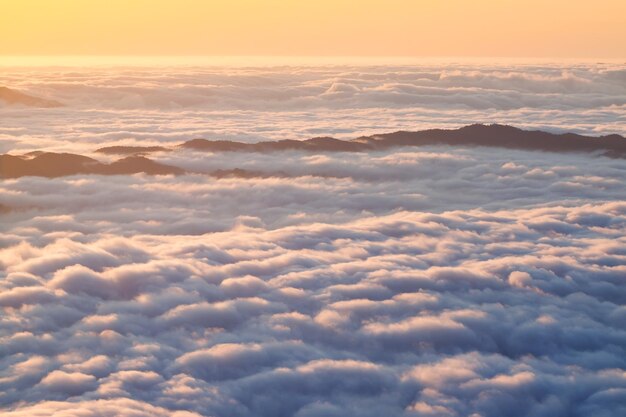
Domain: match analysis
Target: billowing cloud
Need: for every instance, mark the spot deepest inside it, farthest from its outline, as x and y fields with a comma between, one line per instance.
x=430, y=281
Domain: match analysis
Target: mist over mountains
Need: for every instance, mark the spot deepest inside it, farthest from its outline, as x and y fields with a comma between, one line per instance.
x=13, y=97
x=474, y=135
x=237, y=242
x=163, y=106
x=48, y=164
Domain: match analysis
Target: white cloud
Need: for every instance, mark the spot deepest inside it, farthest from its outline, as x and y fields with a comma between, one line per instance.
x=251, y=104
x=432, y=281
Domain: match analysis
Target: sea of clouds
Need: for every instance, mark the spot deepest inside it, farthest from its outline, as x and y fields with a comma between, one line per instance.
x=149, y=105
x=431, y=281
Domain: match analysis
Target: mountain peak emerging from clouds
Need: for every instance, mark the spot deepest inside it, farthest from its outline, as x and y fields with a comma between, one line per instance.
x=48, y=164
x=494, y=135
x=14, y=97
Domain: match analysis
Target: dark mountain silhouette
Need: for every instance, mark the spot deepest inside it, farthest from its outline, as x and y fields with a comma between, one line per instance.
x=322, y=144
x=48, y=164
x=474, y=135
x=13, y=97
x=136, y=164
x=52, y=165
x=505, y=137
x=131, y=150
x=244, y=173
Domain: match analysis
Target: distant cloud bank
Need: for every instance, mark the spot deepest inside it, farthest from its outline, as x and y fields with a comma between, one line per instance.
x=143, y=105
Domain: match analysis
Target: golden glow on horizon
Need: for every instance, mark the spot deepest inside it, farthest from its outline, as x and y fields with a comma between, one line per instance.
x=503, y=28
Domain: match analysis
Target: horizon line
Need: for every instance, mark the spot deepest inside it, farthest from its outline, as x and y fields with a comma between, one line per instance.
x=264, y=60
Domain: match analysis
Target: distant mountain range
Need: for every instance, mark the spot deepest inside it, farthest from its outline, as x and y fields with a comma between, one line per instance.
x=48, y=164
x=474, y=135
x=14, y=97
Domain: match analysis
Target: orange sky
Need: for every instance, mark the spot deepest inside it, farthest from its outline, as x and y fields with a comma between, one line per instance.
x=479, y=28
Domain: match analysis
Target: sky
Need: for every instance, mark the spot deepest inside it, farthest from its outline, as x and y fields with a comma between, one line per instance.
x=480, y=28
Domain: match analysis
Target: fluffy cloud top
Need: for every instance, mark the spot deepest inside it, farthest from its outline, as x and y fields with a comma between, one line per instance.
x=430, y=281
x=438, y=281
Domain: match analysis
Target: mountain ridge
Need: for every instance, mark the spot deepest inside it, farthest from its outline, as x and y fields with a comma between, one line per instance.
x=14, y=97
x=52, y=165
x=494, y=135
x=49, y=164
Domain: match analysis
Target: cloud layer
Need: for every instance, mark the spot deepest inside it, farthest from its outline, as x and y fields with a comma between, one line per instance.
x=439, y=281
x=152, y=106
x=422, y=281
